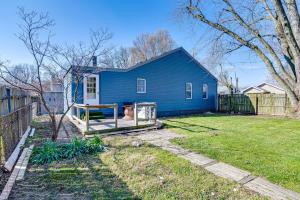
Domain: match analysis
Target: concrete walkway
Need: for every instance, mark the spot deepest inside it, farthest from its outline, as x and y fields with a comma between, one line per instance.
x=260, y=185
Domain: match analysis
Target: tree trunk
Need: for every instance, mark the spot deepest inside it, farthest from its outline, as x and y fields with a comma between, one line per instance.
x=54, y=129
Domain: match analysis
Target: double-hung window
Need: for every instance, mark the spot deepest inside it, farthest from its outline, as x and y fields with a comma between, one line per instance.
x=188, y=90
x=205, y=91
x=141, y=85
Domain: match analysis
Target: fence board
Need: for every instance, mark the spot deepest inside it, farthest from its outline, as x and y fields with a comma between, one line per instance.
x=264, y=104
x=12, y=127
x=15, y=117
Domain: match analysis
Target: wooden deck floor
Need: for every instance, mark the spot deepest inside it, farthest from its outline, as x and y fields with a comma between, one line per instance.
x=108, y=125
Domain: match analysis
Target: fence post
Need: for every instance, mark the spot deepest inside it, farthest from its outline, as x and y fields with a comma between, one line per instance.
x=285, y=103
x=19, y=114
x=256, y=104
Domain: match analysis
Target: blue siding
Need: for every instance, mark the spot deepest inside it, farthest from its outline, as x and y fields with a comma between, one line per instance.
x=166, y=78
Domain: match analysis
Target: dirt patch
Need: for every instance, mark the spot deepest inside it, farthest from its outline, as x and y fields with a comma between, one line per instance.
x=4, y=176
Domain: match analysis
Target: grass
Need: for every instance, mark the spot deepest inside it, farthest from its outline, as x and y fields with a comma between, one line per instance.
x=125, y=171
x=152, y=173
x=265, y=146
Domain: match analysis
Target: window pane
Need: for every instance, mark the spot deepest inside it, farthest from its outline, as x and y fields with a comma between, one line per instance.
x=188, y=90
x=188, y=94
x=91, y=88
x=141, y=85
x=205, y=91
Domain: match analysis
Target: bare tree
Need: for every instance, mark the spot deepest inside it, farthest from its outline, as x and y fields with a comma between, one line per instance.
x=214, y=62
x=225, y=79
x=120, y=58
x=146, y=46
x=270, y=29
x=52, y=60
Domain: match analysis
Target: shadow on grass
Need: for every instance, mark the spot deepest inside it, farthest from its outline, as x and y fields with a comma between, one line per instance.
x=188, y=126
x=83, y=178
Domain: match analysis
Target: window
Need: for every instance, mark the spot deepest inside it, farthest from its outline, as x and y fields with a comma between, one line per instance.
x=141, y=85
x=188, y=90
x=205, y=91
x=91, y=88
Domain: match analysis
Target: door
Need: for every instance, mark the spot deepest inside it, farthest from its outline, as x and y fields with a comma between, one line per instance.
x=91, y=89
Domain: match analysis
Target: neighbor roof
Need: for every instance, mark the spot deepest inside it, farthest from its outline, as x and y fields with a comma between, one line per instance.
x=270, y=85
x=101, y=69
x=261, y=89
x=254, y=87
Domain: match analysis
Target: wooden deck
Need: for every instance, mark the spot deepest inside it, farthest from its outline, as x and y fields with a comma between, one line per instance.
x=108, y=125
x=88, y=126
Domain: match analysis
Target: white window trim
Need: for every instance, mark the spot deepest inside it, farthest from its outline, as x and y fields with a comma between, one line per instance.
x=206, y=91
x=141, y=79
x=189, y=83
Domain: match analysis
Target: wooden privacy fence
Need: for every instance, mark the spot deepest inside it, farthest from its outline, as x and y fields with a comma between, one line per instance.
x=12, y=99
x=12, y=127
x=264, y=104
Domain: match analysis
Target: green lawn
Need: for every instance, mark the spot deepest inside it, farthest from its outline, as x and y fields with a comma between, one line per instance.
x=265, y=146
x=125, y=171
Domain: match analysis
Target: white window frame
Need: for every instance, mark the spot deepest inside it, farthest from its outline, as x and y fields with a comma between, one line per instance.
x=188, y=83
x=145, y=86
x=206, y=97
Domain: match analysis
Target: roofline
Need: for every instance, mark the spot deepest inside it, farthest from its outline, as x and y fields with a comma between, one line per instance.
x=254, y=87
x=139, y=64
x=101, y=69
x=271, y=85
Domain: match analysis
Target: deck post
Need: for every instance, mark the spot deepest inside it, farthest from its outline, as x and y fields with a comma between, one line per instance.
x=72, y=111
x=78, y=113
x=116, y=115
x=136, y=114
x=155, y=113
x=87, y=117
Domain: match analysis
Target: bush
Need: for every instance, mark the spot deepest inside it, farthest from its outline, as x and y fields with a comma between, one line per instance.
x=50, y=151
x=47, y=153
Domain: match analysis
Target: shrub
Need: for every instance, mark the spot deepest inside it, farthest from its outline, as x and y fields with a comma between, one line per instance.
x=50, y=151
x=47, y=153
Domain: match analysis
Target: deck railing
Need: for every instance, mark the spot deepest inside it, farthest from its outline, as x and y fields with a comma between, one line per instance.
x=87, y=108
x=150, y=110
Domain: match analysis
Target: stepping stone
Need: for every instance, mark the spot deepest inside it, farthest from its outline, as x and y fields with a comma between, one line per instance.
x=175, y=149
x=227, y=171
x=274, y=191
x=197, y=159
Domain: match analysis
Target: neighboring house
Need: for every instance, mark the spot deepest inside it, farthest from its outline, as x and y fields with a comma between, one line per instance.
x=265, y=88
x=177, y=82
x=54, y=99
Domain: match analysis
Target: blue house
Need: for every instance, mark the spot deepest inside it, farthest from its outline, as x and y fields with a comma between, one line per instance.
x=177, y=82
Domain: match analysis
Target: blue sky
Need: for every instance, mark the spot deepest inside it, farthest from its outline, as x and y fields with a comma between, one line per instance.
x=125, y=19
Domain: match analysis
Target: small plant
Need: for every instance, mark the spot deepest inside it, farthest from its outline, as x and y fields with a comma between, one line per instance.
x=47, y=153
x=50, y=151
